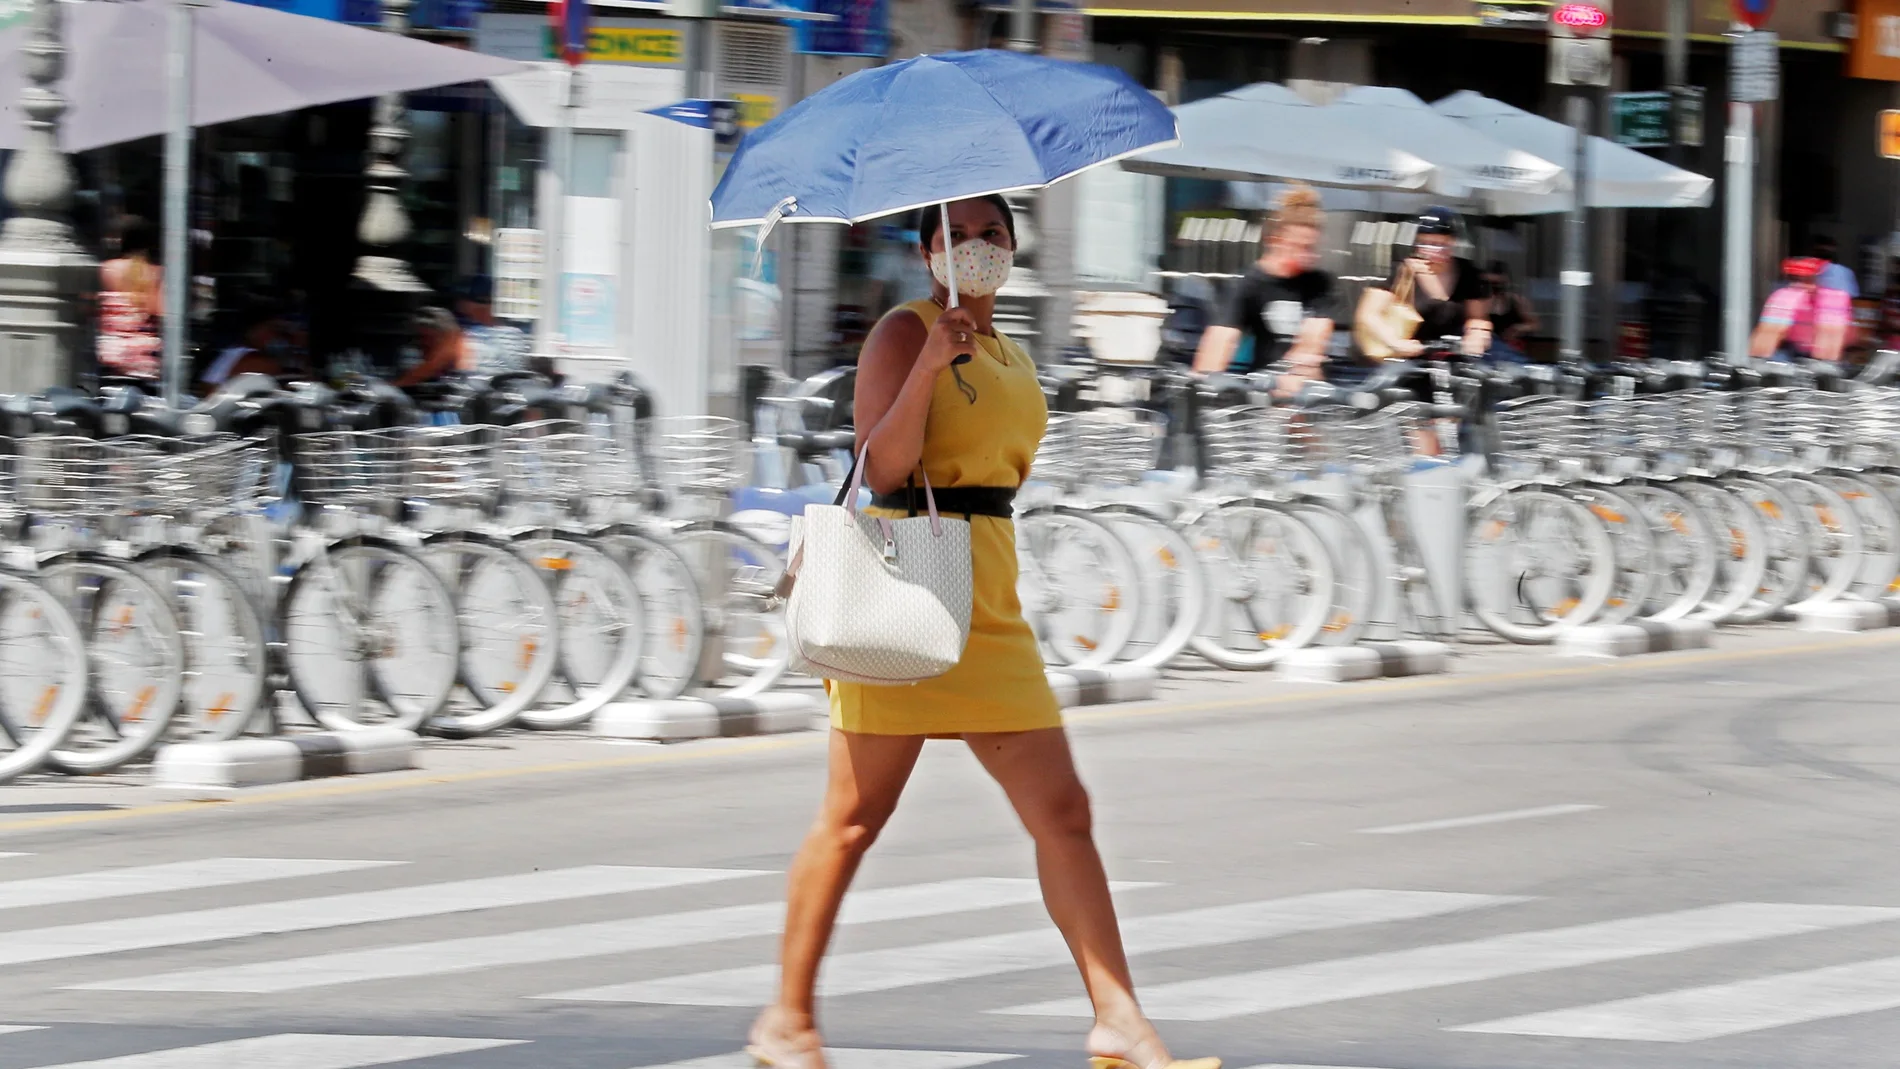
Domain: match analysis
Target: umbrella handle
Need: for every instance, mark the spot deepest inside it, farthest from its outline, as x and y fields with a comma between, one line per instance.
x=949, y=253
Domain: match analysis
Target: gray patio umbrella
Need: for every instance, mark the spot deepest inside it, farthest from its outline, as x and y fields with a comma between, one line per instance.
x=249, y=61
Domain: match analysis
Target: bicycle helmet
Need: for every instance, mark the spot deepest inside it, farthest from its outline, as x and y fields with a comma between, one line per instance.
x=1803, y=268
x=1438, y=219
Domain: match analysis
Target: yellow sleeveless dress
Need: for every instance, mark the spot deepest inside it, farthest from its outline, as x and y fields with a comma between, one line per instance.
x=999, y=685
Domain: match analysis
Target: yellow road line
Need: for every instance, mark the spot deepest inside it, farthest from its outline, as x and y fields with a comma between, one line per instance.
x=1097, y=714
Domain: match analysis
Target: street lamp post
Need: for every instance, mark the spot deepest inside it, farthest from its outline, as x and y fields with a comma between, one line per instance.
x=42, y=269
x=387, y=290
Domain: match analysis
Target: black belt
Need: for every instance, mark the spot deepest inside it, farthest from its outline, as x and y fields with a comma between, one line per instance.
x=965, y=501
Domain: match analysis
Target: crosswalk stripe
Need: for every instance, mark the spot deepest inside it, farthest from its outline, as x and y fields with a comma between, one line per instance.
x=1220, y=997
x=994, y=955
x=735, y=984
x=8, y=1029
x=335, y=911
x=1719, y=1010
x=578, y=940
x=858, y=1058
x=158, y=879
x=12, y=853
x=296, y=1051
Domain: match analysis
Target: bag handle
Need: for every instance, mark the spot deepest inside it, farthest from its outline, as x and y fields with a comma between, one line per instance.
x=848, y=497
x=1402, y=290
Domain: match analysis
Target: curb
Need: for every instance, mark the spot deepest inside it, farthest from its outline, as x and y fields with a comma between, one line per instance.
x=706, y=718
x=219, y=767
x=1848, y=616
x=1638, y=637
x=1367, y=660
x=1101, y=686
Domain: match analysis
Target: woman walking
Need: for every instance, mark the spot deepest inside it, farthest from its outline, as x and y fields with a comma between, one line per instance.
x=939, y=389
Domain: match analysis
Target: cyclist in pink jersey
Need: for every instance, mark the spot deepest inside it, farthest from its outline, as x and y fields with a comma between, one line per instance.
x=1803, y=318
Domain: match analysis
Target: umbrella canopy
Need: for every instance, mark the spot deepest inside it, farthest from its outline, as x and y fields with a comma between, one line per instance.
x=1467, y=163
x=935, y=129
x=249, y=61
x=1266, y=132
x=1619, y=177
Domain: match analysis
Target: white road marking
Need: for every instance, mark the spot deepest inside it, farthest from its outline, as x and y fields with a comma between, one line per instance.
x=858, y=1058
x=336, y=911
x=1217, y=998
x=1699, y=1013
x=1480, y=818
x=1040, y=948
x=572, y=941
x=158, y=879
x=8, y=1029
x=295, y=1051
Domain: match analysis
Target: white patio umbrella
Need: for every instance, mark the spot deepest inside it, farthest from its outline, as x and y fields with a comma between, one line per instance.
x=1619, y=177
x=1467, y=164
x=248, y=61
x=1266, y=132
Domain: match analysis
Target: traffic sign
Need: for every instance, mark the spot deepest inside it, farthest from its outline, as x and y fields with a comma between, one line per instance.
x=1890, y=134
x=1752, y=13
x=1640, y=120
x=1755, y=68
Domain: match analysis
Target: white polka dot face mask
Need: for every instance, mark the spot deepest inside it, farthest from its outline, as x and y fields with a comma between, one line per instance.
x=982, y=268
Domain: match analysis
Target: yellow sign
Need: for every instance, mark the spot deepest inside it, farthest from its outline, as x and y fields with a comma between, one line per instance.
x=624, y=44
x=1890, y=134
x=755, y=110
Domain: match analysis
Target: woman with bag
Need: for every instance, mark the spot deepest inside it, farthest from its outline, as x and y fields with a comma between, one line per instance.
x=1438, y=295
x=941, y=393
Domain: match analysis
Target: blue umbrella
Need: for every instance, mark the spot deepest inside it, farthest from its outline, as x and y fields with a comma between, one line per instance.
x=936, y=129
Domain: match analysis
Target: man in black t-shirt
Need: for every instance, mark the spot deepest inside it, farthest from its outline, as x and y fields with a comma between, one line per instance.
x=1289, y=307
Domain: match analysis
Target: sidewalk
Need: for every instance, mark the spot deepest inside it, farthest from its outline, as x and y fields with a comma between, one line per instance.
x=1189, y=690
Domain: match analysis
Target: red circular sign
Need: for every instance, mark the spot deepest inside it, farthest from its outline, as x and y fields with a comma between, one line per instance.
x=1752, y=13
x=1581, y=16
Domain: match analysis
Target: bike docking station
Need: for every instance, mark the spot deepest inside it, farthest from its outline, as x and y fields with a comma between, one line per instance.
x=1635, y=638
x=1847, y=616
x=1411, y=577
x=217, y=769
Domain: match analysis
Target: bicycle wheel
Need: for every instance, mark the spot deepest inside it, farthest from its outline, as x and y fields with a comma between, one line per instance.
x=1786, y=543
x=1174, y=586
x=1079, y=586
x=135, y=651
x=1685, y=551
x=745, y=647
x=1636, y=556
x=1270, y=584
x=1879, y=529
x=672, y=613
x=1537, y=563
x=1356, y=570
x=43, y=674
x=227, y=679
x=1889, y=485
x=601, y=628
x=1741, y=557
x=510, y=629
x=370, y=636
x=1835, y=539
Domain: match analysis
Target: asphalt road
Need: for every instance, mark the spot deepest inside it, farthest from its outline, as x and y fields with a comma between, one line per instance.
x=1682, y=863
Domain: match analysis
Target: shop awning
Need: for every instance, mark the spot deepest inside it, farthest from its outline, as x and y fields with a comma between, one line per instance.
x=1619, y=177
x=250, y=61
x=1266, y=132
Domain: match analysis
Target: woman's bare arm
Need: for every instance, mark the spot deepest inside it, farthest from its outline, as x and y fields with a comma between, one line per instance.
x=897, y=372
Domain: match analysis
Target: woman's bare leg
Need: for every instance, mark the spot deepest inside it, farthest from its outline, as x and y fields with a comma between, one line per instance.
x=867, y=774
x=1037, y=772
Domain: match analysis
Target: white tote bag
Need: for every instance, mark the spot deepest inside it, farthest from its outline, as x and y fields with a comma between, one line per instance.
x=877, y=600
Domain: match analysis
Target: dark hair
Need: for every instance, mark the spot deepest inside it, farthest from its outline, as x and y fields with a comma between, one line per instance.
x=930, y=220
x=1823, y=245
x=1497, y=267
x=135, y=235
x=477, y=288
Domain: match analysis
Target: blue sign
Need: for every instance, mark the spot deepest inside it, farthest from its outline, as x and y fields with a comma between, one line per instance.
x=446, y=14
x=358, y=12
x=862, y=28
x=587, y=310
x=719, y=116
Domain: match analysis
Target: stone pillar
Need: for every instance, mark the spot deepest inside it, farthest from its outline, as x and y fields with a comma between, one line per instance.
x=42, y=269
x=387, y=293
